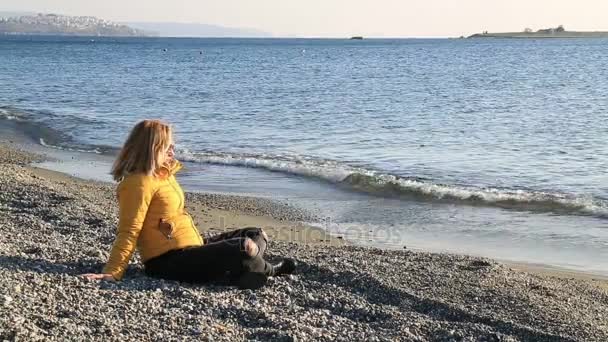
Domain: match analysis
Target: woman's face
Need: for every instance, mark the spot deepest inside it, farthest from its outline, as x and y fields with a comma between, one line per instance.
x=169, y=153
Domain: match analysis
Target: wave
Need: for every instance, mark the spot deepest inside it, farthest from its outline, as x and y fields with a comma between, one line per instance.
x=377, y=183
x=72, y=149
x=326, y=170
x=520, y=199
x=6, y=114
x=34, y=124
x=359, y=179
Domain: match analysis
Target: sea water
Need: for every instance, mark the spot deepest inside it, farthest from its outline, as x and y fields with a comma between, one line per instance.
x=486, y=147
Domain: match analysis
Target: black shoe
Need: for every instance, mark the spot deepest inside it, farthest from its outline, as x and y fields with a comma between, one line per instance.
x=251, y=280
x=286, y=266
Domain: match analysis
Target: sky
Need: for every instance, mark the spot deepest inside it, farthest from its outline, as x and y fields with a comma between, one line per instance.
x=343, y=18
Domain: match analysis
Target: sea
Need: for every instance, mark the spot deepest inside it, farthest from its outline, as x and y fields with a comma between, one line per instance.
x=490, y=147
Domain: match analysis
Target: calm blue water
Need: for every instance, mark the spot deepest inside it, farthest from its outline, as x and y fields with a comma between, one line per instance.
x=492, y=147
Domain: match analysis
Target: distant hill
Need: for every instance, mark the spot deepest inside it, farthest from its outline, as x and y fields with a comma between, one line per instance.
x=4, y=14
x=54, y=24
x=164, y=29
x=558, y=32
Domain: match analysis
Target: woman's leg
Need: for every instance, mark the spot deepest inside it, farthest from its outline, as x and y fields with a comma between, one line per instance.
x=212, y=261
x=286, y=266
x=254, y=233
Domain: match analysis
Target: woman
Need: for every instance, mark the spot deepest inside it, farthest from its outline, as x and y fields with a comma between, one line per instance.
x=152, y=217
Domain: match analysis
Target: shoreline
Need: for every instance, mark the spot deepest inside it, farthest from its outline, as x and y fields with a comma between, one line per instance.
x=518, y=232
x=56, y=227
x=214, y=212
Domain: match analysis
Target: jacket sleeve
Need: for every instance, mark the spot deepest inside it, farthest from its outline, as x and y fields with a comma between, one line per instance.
x=134, y=197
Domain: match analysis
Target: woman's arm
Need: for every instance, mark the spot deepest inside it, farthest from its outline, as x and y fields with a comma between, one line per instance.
x=134, y=197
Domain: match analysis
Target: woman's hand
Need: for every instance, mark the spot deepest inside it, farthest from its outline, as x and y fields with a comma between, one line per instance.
x=96, y=276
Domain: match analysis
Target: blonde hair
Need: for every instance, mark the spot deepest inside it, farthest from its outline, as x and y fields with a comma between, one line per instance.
x=142, y=151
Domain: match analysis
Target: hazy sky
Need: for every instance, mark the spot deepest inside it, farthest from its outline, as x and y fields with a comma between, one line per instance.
x=342, y=18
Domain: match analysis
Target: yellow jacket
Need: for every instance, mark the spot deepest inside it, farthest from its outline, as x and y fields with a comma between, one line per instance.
x=151, y=217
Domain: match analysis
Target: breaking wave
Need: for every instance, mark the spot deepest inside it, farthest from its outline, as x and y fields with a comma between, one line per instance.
x=359, y=179
x=386, y=185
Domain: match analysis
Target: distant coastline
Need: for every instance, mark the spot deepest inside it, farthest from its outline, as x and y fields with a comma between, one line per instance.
x=62, y=25
x=169, y=29
x=558, y=32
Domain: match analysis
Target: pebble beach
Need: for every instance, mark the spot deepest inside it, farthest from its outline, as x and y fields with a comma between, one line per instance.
x=55, y=227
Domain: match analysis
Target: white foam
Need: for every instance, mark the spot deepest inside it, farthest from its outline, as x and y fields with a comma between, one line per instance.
x=325, y=170
x=335, y=172
x=536, y=200
x=5, y=114
x=96, y=151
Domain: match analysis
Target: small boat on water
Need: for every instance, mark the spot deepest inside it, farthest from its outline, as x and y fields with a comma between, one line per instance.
x=356, y=38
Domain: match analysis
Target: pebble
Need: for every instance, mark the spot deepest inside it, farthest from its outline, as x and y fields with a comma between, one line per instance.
x=340, y=293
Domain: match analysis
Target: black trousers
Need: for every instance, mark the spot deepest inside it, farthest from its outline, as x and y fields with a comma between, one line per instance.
x=222, y=257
